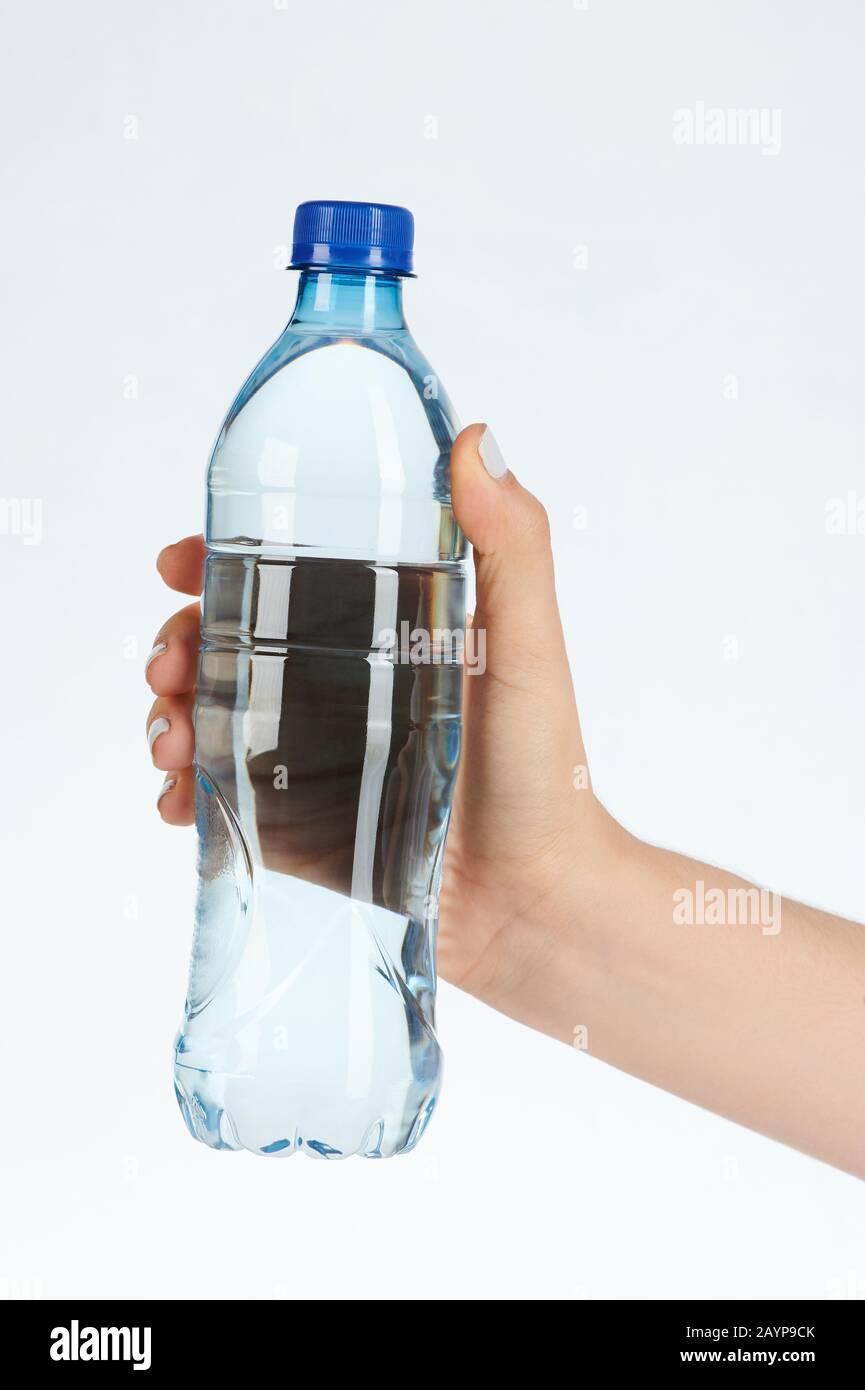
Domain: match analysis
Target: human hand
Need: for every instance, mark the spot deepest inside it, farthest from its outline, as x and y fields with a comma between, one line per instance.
x=525, y=826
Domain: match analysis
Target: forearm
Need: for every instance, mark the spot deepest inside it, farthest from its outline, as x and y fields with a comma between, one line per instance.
x=749, y=1005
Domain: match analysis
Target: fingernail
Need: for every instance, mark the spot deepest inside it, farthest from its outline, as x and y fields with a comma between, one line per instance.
x=158, y=649
x=491, y=454
x=166, y=787
x=159, y=726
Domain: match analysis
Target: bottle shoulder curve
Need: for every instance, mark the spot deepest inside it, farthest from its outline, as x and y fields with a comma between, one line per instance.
x=290, y=358
x=337, y=424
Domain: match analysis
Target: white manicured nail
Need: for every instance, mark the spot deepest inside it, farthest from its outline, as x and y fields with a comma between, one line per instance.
x=159, y=648
x=159, y=726
x=493, y=458
x=166, y=787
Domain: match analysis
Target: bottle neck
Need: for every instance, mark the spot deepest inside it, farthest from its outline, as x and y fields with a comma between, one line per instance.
x=348, y=301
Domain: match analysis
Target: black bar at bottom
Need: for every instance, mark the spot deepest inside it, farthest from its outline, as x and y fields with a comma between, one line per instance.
x=69, y=1336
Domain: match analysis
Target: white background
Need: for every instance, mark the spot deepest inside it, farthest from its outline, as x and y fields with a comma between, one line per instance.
x=545, y=1173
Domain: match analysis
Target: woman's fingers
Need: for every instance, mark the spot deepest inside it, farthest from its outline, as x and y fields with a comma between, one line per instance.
x=170, y=672
x=169, y=732
x=170, y=667
x=181, y=565
x=176, y=799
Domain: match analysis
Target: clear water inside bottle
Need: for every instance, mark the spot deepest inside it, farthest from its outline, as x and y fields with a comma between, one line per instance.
x=325, y=758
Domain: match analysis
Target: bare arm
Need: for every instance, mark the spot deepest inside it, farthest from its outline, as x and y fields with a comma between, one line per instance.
x=750, y=1005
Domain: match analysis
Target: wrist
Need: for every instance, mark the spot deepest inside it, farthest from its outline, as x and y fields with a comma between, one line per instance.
x=560, y=958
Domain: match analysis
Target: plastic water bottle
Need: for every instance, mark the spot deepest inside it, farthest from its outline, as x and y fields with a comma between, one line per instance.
x=327, y=720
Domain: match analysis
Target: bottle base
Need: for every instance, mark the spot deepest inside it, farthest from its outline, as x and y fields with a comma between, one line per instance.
x=202, y=1097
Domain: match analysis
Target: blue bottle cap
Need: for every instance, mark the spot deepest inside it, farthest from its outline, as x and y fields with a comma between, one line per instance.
x=334, y=235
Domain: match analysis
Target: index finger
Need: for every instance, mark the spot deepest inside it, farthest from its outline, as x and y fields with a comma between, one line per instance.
x=181, y=565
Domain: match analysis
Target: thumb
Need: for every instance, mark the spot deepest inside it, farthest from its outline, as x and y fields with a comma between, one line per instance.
x=521, y=732
x=508, y=527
